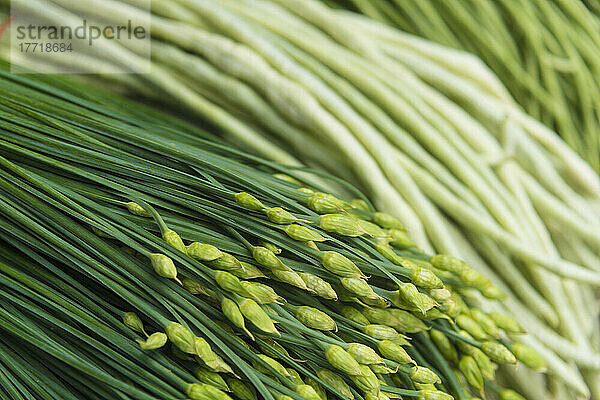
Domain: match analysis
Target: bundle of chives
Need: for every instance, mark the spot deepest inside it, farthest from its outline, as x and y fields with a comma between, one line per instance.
x=288, y=292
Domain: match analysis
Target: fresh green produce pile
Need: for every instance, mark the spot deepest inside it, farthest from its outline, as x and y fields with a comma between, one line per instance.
x=544, y=51
x=140, y=258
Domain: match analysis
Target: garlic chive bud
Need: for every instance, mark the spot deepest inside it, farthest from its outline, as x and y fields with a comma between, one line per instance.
x=241, y=390
x=360, y=204
x=444, y=345
x=340, y=359
x=271, y=363
x=434, y=314
x=229, y=282
x=221, y=366
x=248, y=271
x=408, y=294
x=318, y=286
x=386, y=251
x=470, y=325
x=303, y=234
x=324, y=203
x=290, y=277
x=271, y=247
x=468, y=366
x=133, y=322
x=373, y=230
x=307, y=392
x=261, y=293
x=529, y=357
x=154, y=341
x=196, y=288
x=367, y=381
x=342, y=224
x=387, y=221
x=354, y=315
x=202, y=391
x=203, y=251
x=233, y=313
x=248, y=201
x=203, y=350
x=287, y=178
x=358, y=286
x=462, y=345
x=379, y=316
x=272, y=348
x=336, y=382
x=317, y=387
x=226, y=262
x=382, y=369
x=255, y=314
x=394, y=352
x=363, y=354
x=448, y=263
x=443, y=296
x=278, y=215
x=138, y=210
x=486, y=366
x=181, y=337
x=295, y=376
x=315, y=319
x=507, y=394
x=485, y=322
x=492, y=292
x=425, y=279
x=406, y=322
x=381, y=332
x=434, y=395
x=164, y=266
x=173, y=239
x=473, y=278
x=400, y=239
x=268, y=259
x=340, y=265
x=211, y=378
x=506, y=323
x=423, y=375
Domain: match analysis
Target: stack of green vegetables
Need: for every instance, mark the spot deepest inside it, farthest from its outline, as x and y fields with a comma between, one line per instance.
x=142, y=259
x=427, y=132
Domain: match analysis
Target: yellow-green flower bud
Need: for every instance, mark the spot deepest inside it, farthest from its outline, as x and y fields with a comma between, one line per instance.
x=315, y=319
x=203, y=251
x=303, y=234
x=271, y=247
x=248, y=271
x=164, y=266
x=290, y=277
x=469, y=368
x=255, y=314
x=133, y=322
x=381, y=332
x=138, y=210
x=307, y=392
x=268, y=259
x=529, y=357
x=354, y=315
x=400, y=239
x=181, y=337
x=229, y=282
x=373, y=230
x=423, y=375
x=173, y=239
x=425, y=279
x=233, y=313
x=434, y=395
x=367, y=381
x=318, y=286
x=324, y=203
x=295, y=376
x=204, y=352
x=470, y=325
x=379, y=316
x=434, y=314
x=424, y=386
x=381, y=369
x=408, y=294
x=492, y=292
x=387, y=221
x=358, y=286
x=386, y=251
x=211, y=378
x=507, y=323
x=306, y=190
x=226, y=262
x=394, y=352
x=443, y=296
x=271, y=363
x=335, y=381
x=202, y=391
x=360, y=204
x=241, y=390
x=448, y=263
x=278, y=215
x=444, y=345
x=248, y=201
x=154, y=341
x=485, y=322
x=471, y=277
x=196, y=288
x=486, y=366
x=508, y=394
x=261, y=293
x=463, y=346
x=340, y=359
x=340, y=265
x=317, y=387
x=364, y=354
x=342, y=224
x=287, y=178
x=406, y=322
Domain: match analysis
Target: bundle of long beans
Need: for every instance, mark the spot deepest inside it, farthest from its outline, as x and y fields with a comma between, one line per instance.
x=140, y=261
x=428, y=132
x=545, y=52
